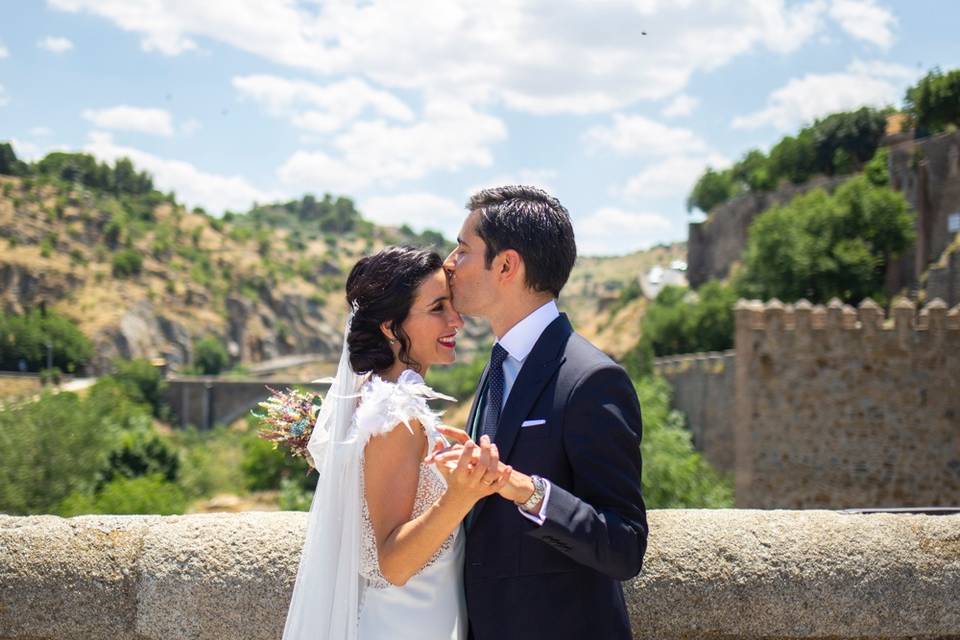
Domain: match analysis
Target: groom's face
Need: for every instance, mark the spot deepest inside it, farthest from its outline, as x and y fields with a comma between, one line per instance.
x=473, y=285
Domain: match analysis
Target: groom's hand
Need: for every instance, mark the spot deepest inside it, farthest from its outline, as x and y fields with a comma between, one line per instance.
x=471, y=466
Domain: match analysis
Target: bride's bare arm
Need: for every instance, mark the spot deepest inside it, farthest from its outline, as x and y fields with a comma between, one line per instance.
x=391, y=473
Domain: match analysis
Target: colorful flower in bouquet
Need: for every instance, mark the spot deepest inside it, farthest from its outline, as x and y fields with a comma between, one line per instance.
x=288, y=419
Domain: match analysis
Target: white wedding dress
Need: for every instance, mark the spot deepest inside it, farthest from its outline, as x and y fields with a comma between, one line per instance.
x=431, y=604
x=340, y=593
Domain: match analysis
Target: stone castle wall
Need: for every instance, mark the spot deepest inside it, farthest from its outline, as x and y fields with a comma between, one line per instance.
x=927, y=172
x=730, y=574
x=839, y=407
x=703, y=389
x=944, y=281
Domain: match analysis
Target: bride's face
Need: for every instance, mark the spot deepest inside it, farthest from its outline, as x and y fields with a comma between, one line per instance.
x=432, y=323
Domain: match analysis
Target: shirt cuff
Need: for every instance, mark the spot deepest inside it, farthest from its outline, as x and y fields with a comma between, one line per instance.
x=540, y=517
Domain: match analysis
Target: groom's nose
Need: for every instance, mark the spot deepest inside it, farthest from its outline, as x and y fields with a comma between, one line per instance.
x=449, y=264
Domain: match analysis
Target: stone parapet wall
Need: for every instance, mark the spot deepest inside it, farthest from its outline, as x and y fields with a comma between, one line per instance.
x=841, y=407
x=708, y=574
x=703, y=389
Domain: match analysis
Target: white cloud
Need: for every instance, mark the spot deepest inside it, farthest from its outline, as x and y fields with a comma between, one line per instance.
x=419, y=210
x=538, y=56
x=681, y=105
x=55, y=44
x=321, y=108
x=214, y=192
x=613, y=231
x=41, y=132
x=865, y=20
x=672, y=176
x=4, y=52
x=636, y=135
x=804, y=99
x=450, y=135
x=126, y=118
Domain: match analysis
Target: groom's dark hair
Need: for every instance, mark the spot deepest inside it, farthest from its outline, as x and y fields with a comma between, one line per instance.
x=534, y=224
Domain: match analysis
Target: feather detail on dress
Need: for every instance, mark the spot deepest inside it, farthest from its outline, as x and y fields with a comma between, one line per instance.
x=384, y=405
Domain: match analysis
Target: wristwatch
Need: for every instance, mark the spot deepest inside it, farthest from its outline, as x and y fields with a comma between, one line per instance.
x=539, y=489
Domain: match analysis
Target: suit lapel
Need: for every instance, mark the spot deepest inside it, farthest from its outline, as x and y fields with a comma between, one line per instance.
x=537, y=369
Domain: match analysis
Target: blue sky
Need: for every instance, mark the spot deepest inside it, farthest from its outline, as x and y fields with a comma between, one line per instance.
x=407, y=107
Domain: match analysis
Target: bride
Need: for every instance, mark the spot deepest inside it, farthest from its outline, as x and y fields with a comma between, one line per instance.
x=383, y=555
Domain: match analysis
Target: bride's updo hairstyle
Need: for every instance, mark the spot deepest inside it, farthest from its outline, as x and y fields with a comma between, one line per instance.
x=383, y=287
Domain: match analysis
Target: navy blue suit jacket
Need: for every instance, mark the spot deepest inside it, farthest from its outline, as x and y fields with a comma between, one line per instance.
x=562, y=579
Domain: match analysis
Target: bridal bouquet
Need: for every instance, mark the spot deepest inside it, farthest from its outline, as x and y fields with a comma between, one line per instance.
x=288, y=420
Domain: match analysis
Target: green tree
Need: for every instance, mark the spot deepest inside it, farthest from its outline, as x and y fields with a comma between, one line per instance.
x=210, y=356
x=10, y=165
x=752, y=173
x=141, y=381
x=675, y=476
x=141, y=452
x=459, y=380
x=681, y=321
x=793, y=158
x=713, y=188
x=149, y=494
x=849, y=138
x=934, y=102
x=25, y=337
x=265, y=467
x=49, y=449
x=819, y=246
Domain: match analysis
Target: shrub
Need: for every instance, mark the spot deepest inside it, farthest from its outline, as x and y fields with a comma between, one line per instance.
x=293, y=496
x=264, y=467
x=675, y=476
x=49, y=449
x=142, y=452
x=127, y=263
x=25, y=337
x=150, y=494
x=679, y=321
x=142, y=382
x=934, y=102
x=210, y=461
x=210, y=356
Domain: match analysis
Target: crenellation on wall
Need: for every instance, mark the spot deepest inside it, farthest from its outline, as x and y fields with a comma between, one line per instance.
x=843, y=407
x=953, y=318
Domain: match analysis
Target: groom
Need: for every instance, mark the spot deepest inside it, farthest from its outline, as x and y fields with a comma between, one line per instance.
x=547, y=561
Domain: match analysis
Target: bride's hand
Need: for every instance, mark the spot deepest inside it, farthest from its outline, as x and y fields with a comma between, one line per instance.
x=472, y=471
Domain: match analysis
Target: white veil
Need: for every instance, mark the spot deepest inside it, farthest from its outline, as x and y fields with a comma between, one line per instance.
x=326, y=597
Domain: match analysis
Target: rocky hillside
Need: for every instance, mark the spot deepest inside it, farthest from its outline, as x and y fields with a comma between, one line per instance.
x=603, y=298
x=142, y=276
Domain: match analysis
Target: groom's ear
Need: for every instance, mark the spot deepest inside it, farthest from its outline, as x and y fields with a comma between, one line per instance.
x=509, y=264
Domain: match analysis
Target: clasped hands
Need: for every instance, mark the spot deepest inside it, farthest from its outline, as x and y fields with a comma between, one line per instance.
x=469, y=466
